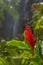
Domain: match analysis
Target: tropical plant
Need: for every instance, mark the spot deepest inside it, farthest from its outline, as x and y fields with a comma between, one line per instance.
x=16, y=52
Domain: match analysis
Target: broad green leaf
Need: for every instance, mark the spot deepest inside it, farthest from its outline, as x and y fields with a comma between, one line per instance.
x=20, y=44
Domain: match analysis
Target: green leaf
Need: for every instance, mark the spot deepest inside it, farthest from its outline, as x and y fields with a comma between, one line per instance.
x=39, y=24
x=38, y=49
x=18, y=44
x=3, y=61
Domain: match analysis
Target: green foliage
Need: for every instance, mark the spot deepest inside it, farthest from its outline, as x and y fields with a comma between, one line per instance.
x=39, y=24
x=16, y=52
x=39, y=28
x=3, y=61
x=11, y=49
x=36, y=22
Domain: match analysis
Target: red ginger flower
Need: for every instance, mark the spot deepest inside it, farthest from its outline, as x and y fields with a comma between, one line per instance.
x=30, y=37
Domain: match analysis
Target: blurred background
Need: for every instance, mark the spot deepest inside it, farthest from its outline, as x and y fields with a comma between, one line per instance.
x=14, y=14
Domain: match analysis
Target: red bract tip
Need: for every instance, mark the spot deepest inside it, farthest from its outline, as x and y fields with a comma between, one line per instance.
x=30, y=37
